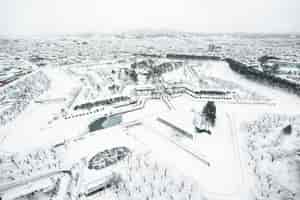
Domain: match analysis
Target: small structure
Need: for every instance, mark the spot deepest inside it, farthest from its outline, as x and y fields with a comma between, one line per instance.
x=201, y=124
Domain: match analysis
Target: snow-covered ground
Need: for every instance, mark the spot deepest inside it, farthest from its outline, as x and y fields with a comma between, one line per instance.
x=272, y=155
x=31, y=128
x=144, y=177
x=285, y=102
x=226, y=177
x=217, y=149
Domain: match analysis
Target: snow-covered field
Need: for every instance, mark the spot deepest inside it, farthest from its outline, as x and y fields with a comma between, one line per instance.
x=31, y=128
x=183, y=154
x=216, y=165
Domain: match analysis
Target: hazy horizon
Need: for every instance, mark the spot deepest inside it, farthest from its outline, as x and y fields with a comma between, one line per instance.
x=30, y=17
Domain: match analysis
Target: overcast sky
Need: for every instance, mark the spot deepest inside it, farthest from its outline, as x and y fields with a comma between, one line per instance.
x=67, y=16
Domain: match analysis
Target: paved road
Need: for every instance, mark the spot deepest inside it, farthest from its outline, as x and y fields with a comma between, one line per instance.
x=244, y=187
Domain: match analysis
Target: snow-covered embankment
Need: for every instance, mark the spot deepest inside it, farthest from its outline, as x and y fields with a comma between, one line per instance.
x=14, y=98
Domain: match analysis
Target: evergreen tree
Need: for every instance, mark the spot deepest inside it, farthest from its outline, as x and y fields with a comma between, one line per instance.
x=209, y=111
